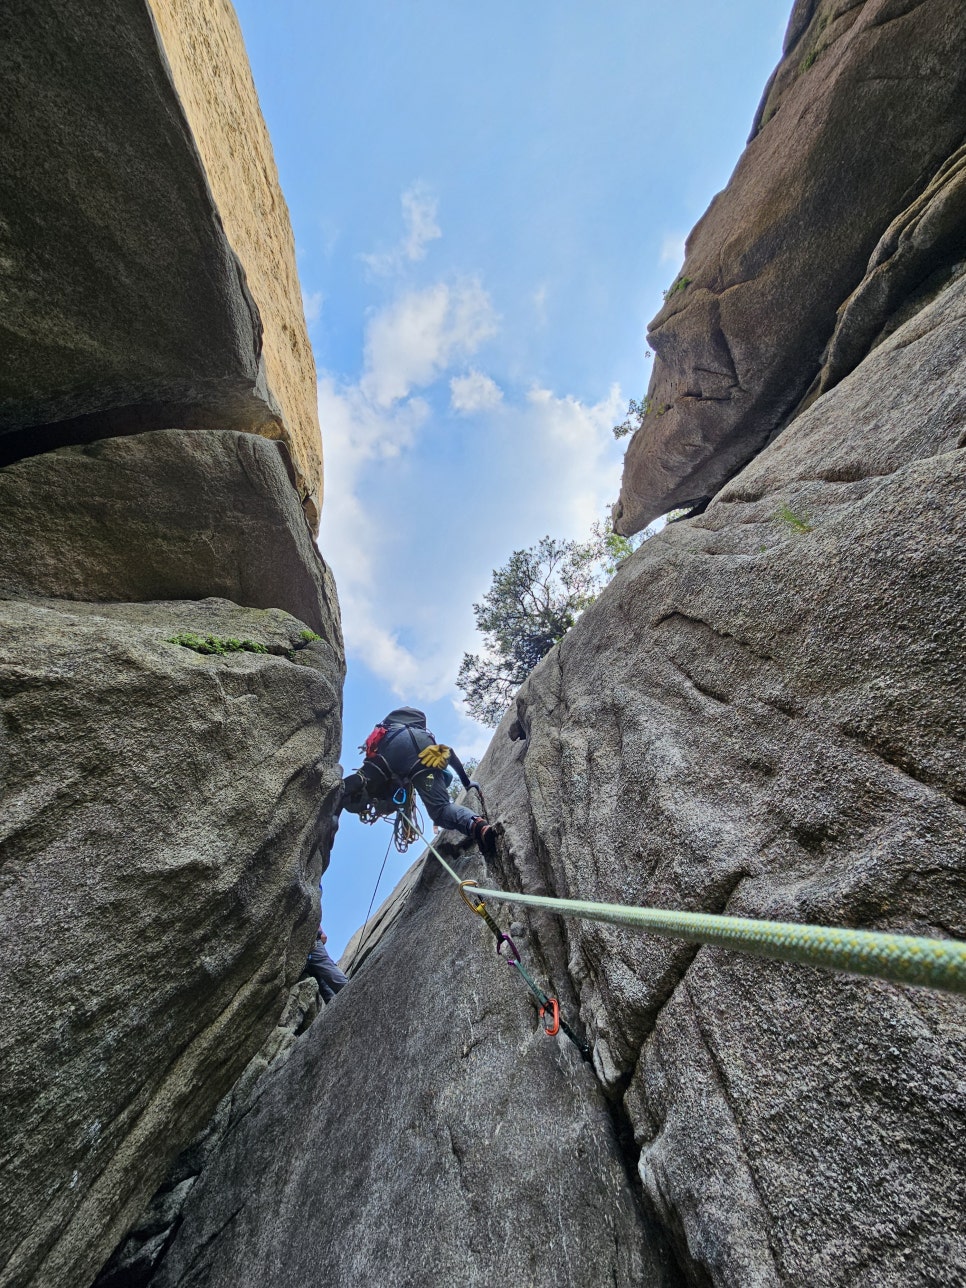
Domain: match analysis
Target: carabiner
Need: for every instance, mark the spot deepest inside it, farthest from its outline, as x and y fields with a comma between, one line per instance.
x=478, y=908
x=554, y=1028
x=505, y=939
x=400, y=791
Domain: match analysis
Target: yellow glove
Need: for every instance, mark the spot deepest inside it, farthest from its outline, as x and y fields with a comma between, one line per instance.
x=435, y=757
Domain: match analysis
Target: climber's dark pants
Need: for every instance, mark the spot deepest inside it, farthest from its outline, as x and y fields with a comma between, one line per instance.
x=325, y=972
x=433, y=792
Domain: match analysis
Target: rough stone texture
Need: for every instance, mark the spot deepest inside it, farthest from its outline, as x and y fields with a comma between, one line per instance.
x=422, y=1132
x=868, y=103
x=763, y=714
x=134, y=1260
x=206, y=52
x=168, y=514
x=926, y=241
x=123, y=304
x=165, y=819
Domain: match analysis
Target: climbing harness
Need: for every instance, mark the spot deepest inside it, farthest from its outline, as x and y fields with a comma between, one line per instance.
x=402, y=807
x=386, y=790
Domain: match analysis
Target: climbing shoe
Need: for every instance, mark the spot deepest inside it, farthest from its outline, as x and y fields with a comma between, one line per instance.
x=354, y=797
x=484, y=836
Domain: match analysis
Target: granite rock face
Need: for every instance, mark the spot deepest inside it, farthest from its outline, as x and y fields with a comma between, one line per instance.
x=206, y=54
x=169, y=514
x=134, y=1260
x=926, y=243
x=859, y=124
x=165, y=814
x=166, y=817
x=763, y=715
x=422, y=1132
x=124, y=304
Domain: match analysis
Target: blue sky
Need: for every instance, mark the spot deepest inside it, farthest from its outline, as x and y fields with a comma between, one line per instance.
x=488, y=200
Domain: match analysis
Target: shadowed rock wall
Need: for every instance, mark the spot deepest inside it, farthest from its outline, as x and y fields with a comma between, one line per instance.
x=171, y=514
x=762, y=716
x=421, y=1133
x=166, y=817
x=165, y=814
x=124, y=304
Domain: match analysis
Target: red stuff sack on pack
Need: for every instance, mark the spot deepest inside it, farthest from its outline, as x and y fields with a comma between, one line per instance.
x=371, y=744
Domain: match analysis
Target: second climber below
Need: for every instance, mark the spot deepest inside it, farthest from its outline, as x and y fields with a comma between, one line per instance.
x=401, y=755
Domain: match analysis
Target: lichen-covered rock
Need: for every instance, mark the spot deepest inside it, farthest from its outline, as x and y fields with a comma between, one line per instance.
x=168, y=514
x=165, y=819
x=867, y=105
x=206, y=53
x=124, y=303
x=422, y=1132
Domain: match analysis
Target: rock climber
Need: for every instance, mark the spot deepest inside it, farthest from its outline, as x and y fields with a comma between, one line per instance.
x=323, y=969
x=402, y=755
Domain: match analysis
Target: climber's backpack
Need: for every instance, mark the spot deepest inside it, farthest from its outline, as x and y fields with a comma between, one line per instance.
x=383, y=782
x=406, y=716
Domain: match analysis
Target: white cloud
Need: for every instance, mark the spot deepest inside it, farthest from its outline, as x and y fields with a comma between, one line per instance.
x=576, y=460
x=412, y=546
x=419, y=209
x=472, y=738
x=408, y=345
x=539, y=301
x=412, y=341
x=474, y=392
x=419, y=216
x=312, y=304
x=415, y=519
x=356, y=536
x=672, y=249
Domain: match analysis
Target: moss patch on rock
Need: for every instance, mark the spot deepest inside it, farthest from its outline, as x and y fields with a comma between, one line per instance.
x=216, y=644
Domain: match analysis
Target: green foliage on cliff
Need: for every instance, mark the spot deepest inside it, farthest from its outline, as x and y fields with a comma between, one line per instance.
x=678, y=285
x=533, y=601
x=792, y=519
x=215, y=644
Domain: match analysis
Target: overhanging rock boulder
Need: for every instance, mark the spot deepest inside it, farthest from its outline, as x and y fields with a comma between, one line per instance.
x=205, y=51
x=164, y=515
x=866, y=106
x=166, y=816
x=124, y=304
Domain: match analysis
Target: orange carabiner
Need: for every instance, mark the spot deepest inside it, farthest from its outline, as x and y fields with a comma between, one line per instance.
x=554, y=1028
